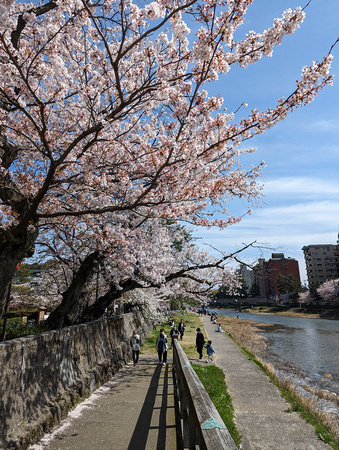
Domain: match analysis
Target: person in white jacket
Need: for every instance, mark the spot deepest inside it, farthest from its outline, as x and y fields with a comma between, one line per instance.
x=135, y=342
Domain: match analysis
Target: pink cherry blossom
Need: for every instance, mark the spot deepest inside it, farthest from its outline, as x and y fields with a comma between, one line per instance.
x=107, y=127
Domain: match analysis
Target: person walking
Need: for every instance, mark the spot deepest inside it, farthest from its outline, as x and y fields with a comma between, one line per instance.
x=199, y=342
x=162, y=346
x=135, y=342
x=181, y=328
x=174, y=333
x=210, y=350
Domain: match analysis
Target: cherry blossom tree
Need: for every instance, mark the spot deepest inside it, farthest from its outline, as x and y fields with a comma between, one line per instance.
x=155, y=255
x=105, y=118
x=329, y=292
x=147, y=303
x=305, y=297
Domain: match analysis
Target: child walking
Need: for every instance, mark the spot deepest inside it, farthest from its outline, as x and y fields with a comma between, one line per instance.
x=210, y=351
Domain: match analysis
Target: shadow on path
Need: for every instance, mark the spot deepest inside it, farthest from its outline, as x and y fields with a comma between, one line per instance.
x=153, y=414
x=134, y=411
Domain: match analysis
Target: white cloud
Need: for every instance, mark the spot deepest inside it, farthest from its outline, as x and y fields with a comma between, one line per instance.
x=282, y=223
x=306, y=187
x=321, y=126
x=280, y=228
x=321, y=214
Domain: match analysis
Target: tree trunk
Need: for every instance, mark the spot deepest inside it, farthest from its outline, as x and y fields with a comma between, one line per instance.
x=13, y=249
x=97, y=309
x=74, y=299
x=4, y=323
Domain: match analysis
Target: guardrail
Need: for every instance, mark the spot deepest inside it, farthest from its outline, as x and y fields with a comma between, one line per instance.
x=201, y=423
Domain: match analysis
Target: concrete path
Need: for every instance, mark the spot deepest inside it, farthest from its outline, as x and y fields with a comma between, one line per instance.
x=261, y=412
x=134, y=411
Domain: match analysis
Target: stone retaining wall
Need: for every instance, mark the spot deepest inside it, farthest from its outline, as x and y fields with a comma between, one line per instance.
x=42, y=377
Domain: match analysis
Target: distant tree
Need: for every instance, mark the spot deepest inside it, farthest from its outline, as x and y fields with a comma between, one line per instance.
x=329, y=292
x=223, y=292
x=232, y=286
x=314, y=286
x=313, y=292
x=25, y=289
x=255, y=290
x=176, y=302
x=26, y=272
x=305, y=298
x=288, y=284
x=243, y=290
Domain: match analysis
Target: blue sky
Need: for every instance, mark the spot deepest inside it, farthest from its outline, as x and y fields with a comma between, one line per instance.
x=301, y=179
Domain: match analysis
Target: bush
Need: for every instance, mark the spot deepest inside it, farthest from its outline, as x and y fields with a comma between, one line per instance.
x=16, y=329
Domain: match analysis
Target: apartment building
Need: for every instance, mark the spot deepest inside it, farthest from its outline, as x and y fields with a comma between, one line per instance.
x=247, y=275
x=322, y=262
x=268, y=272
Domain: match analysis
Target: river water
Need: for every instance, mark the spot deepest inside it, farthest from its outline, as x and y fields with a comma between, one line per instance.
x=304, y=350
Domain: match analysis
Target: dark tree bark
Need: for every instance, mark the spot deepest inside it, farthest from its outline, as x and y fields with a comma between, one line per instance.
x=74, y=299
x=13, y=249
x=97, y=309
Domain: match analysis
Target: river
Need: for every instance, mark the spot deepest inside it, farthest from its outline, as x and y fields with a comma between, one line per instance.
x=304, y=350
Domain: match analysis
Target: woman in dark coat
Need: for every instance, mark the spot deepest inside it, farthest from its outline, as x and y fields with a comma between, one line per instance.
x=162, y=347
x=199, y=342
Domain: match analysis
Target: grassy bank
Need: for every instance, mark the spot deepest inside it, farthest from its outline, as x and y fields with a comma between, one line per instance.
x=245, y=334
x=213, y=380
x=212, y=377
x=192, y=321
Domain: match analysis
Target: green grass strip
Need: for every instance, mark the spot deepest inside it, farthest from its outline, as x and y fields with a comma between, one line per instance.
x=213, y=380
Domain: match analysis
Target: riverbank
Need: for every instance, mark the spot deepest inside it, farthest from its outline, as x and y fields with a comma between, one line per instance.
x=320, y=404
x=303, y=312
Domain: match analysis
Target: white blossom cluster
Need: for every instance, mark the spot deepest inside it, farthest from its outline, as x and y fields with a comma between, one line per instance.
x=328, y=294
x=108, y=131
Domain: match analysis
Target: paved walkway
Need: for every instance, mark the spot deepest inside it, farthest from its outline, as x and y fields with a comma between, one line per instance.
x=134, y=411
x=261, y=412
